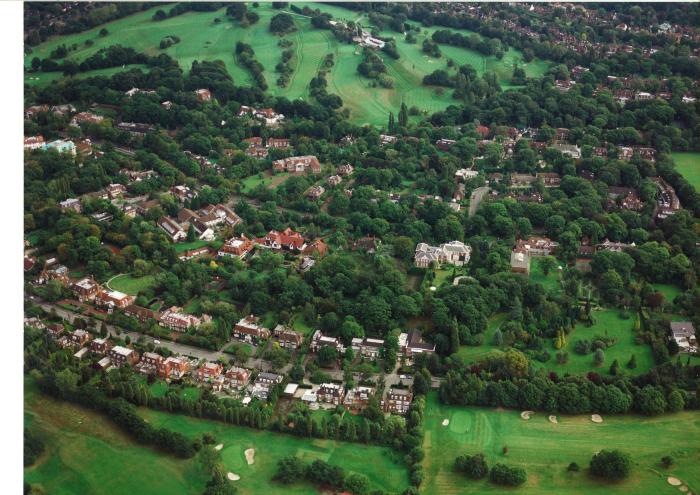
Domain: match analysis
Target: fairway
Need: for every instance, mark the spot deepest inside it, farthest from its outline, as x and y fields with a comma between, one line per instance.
x=688, y=164
x=202, y=38
x=384, y=468
x=545, y=450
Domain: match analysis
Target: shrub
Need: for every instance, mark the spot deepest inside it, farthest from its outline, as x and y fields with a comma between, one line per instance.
x=474, y=466
x=506, y=475
x=611, y=464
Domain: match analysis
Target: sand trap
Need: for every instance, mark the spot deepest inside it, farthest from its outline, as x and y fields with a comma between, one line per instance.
x=683, y=488
x=596, y=418
x=553, y=419
x=445, y=422
x=526, y=414
x=233, y=476
x=250, y=456
x=219, y=447
x=674, y=481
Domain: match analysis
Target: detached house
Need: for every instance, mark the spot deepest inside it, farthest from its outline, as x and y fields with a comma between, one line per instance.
x=298, y=165
x=249, y=330
x=209, y=372
x=113, y=299
x=683, y=333
x=237, y=247
x=100, y=347
x=264, y=383
x=397, y=401
x=203, y=94
x=175, y=319
x=85, y=289
x=367, y=348
x=358, y=398
x=236, y=378
x=318, y=340
x=172, y=228
x=411, y=344
x=150, y=363
x=288, y=240
x=120, y=356
x=71, y=204
x=141, y=314
x=288, y=338
x=454, y=253
x=330, y=393
x=174, y=367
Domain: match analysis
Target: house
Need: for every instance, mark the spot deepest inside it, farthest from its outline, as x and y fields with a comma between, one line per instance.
x=367, y=348
x=537, y=246
x=167, y=104
x=287, y=239
x=62, y=146
x=667, y=202
x=183, y=193
x=482, y=131
x=520, y=261
x=264, y=383
x=120, y=356
x=334, y=180
x=143, y=207
x=150, y=363
x=236, y=247
x=453, y=253
x=568, y=149
x=71, y=204
x=34, y=142
x=297, y=165
x=85, y=117
x=249, y=330
x=397, y=401
x=444, y=144
x=550, y=179
x=141, y=314
x=466, y=174
x=172, y=228
x=135, y=128
x=345, y=170
x=615, y=247
x=174, y=367
x=29, y=263
x=412, y=343
x=314, y=193
x=175, y=319
x=100, y=347
x=330, y=393
x=53, y=271
x=563, y=85
x=34, y=322
x=78, y=338
x=277, y=143
x=134, y=91
x=113, y=299
x=103, y=217
x=236, y=378
x=115, y=190
x=306, y=264
x=203, y=94
x=626, y=197
x=288, y=338
x=65, y=109
x=387, y=139
x=85, y=289
x=193, y=253
x=522, y=180
x=357, y=398
x=317, y=247
x=208, y=372
x=683, y=333
x=318, y=340
x=55, y=330
x=33, y=110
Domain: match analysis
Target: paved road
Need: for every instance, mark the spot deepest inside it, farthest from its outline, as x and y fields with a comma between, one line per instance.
x=476, y=197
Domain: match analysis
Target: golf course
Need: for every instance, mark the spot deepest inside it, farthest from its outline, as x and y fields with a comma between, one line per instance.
x=211, y=36
x=545, y=449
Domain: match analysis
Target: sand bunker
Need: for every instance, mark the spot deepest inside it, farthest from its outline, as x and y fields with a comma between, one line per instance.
x=233, y=476
x=683, y=488
x=526, y=414
x=219, y=447
x=674, y=481
x=553, y=419
x=596, y=418
x=250, y=456
x=445, y=422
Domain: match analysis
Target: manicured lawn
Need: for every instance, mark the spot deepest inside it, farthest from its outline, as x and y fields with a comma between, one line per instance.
x=688, y=164
x=204, y=39
x=472, y=354
x=607, y=324
x=382, y=466
x=266, y=179
x=549, y=282
x=545, y=450
x=86, y=453
x=442, y=276
x=131, y=285
x=44, y=78
x=181, y=247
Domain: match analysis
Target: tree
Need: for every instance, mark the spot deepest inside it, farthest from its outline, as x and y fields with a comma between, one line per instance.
x=667, y=461
x=191, y=233
x=357, y=484
x=632, y=363
x=599, y=357
x=403, y=115
x=611, y=464
x=282, y=23
x=547, y=264
x=327, y=356
x=391, y=123
x=675, y=401
x=474, y=466
x=650, y=401
x=615, y=368
x=289, y=470
x=507, y=475
x=237, y=10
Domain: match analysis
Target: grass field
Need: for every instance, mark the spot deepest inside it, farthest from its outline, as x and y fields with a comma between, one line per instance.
x=181, y=247
x=131, y=285
x=669, y=291
x=607, y=324
x=204, y=39
x=545, y=450
x=86, y=453
x=380, y=465
x=267, y=179
x=688, y=164
x=549, y=282
x=472, y=354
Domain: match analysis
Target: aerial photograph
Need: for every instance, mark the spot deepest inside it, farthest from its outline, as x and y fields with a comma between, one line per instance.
x=362, y=248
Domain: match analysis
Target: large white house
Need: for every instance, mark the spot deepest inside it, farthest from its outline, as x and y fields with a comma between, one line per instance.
x=454, y=253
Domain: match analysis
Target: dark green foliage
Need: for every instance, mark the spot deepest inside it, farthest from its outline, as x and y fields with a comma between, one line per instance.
x=474, y=466
x=507, y=475
x=611, y=465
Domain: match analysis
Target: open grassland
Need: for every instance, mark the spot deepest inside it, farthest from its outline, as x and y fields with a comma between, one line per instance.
x=382, y=466
x=204, y=39
x=688, y=164
x=607, y=324
x=86, y=453
x=131, y=285
x=545, y=450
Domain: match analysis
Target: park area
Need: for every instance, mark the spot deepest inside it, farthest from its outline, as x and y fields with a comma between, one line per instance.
x=203, y=38
x=545, y=449
x=688, y=164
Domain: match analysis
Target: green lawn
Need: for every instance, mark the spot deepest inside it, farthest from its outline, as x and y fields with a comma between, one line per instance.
x=688, y=164
x=299, y=324
x=181, y=247
x=545, y=450
x=383, y=467
x=158, y=389
x=549, y=282
x=86, y=453
x=266, y=179
x=204, y=39
x=472, y=354
x=669, y=291
x=131, y=285
x=44, y=78
x=607, y=324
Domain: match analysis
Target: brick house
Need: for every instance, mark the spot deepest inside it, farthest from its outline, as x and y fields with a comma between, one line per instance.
x=397, y=401
x=412, y=343
x=550, y=179
x=115, y=190
x=112, y=299
x=236, y=378
x=287, y=239
x=319, y=340
x=120, y=356
x=100, y=347
x=208, y=372
x=249, y=330
x=357, y=398
x=454, y=253
x=203, y=94
x=263, y=383
x=236, y=247
x=287, y=338
x=141, y=314
x=175, y=319
x=297, y=165
x=150, y=363
x=173, y=229
x=78, y=338
x=367, y=348
x=330, y=393
x=85, y=289
x=174, y=367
